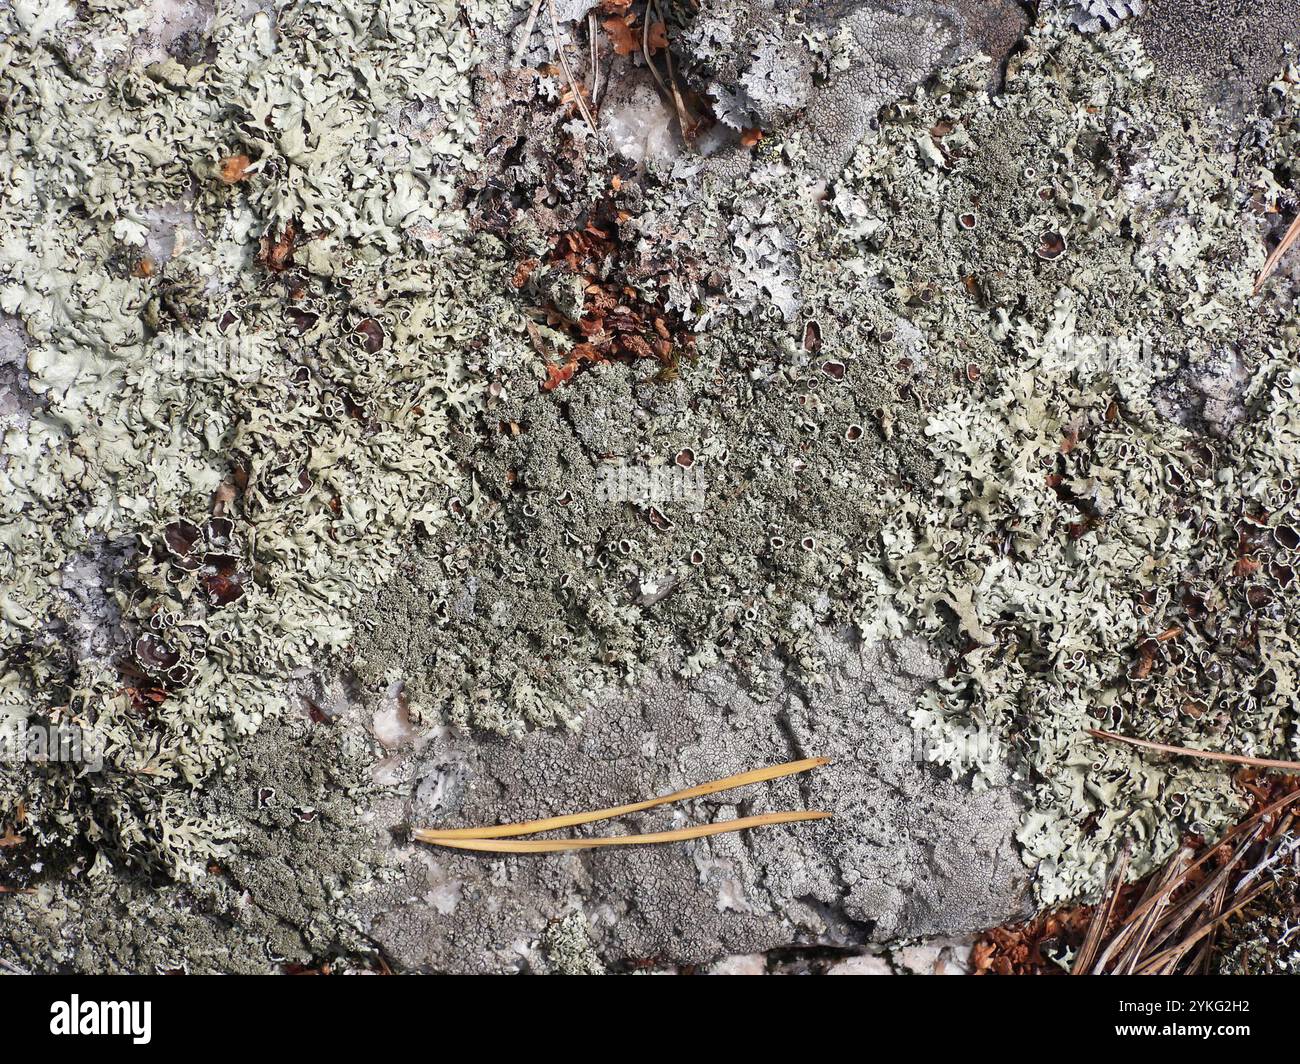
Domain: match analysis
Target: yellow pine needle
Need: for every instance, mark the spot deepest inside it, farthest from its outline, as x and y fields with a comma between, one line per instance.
x=1186, y=751
x=1291, y=236
x=532, y=827
x=699, y=831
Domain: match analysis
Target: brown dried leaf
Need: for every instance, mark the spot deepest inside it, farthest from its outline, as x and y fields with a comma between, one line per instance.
x=622, y=36
x=277, y=255
x=234, y=168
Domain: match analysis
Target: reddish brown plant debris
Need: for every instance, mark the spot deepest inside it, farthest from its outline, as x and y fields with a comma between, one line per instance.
x=617, y=322
x=305, y=969
x=234, y=168
x=522, y=272
x=557, y=375
x=144, y=697
x=277, y=255
x=1027, y=949
x=625, y=39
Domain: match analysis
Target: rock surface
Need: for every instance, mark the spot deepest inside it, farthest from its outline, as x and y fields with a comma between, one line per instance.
x=908, y=853
x=1232, y=49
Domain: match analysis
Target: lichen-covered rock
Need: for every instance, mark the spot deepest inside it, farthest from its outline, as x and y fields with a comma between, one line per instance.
x=823, y=72
x=360, y=395
x=1229, y=52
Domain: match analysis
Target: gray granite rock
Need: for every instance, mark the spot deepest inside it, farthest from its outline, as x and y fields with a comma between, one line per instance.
x=907, y=852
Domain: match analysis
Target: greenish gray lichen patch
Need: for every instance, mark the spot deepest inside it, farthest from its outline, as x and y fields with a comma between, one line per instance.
x=568, y=948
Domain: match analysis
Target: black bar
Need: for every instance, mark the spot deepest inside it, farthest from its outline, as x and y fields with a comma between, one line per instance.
x=306, y=1013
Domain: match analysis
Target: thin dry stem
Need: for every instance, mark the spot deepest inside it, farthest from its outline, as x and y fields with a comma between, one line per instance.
x=593, y=37
x=1176, y=953
x=645, y=51
x=679, y=104
x=1102, y=916
x=564, y=64
x=1201, y=964
x=1162, y=936
x=1271, y=263
x=1189, y=909
x=528, y=32
x=1135, y=937
x=1185, y=751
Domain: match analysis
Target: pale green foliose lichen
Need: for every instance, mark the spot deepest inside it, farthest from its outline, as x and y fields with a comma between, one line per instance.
x=312, y=409
x=1099, y=566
